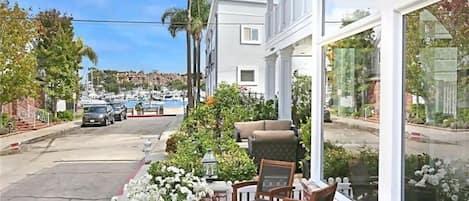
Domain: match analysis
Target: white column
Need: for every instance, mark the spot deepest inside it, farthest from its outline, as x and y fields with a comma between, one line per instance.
x=317, y=91
x=285, y=83
x=391, y=117
x=270, y=77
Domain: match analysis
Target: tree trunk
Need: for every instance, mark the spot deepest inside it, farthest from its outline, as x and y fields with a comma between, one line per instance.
x=428, y=110
x=190, y=98
x=197, y=76
x=194, y=69
x=54, y=107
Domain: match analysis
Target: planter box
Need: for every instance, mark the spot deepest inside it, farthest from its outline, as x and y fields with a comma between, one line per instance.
x=306, y=168
x=415, y=193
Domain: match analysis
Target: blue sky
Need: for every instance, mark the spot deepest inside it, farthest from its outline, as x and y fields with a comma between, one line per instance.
x=136, y=47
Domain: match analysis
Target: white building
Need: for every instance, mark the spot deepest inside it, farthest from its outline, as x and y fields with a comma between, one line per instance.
x=234, y=44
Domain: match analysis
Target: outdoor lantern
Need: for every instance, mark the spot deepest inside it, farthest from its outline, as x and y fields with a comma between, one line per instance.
x=209, y=164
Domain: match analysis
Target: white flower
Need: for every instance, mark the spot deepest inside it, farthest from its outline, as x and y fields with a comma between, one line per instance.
x=418, y=173
x=433, y=180
x=431, y=170
x=445, y=187
x=413, y=182
x=454, y=198
x=438, y=163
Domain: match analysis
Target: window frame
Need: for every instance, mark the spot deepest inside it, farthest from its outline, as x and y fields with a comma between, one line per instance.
x=391, y=143
x=247, y=68
x=251, y=42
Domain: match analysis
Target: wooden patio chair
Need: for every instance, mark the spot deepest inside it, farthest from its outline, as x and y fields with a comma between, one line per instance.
x=323, y=194
x=275, y=181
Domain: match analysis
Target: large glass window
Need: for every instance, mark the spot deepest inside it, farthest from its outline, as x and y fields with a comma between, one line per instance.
x=437, y=102
x=339, y=13
x=352, y=102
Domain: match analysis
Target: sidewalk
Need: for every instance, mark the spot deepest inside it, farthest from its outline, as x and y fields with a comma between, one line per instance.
x=424, y=133
x=158, y=153
x=29, y=136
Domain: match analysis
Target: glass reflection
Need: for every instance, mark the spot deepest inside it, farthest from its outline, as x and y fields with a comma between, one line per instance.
x=437, y=102
x=352, y=100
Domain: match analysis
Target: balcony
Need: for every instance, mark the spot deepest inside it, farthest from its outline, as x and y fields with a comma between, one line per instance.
x=283, y=15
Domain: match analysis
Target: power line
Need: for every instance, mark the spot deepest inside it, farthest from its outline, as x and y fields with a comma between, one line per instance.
x=137, y=22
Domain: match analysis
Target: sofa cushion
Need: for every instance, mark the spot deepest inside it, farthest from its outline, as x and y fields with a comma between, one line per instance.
x=246, y=128
x=274, y=135
x=277, y=124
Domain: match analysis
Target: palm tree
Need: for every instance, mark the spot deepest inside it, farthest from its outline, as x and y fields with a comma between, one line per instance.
x=178, y=21
x=200, y=12
x=86, y=51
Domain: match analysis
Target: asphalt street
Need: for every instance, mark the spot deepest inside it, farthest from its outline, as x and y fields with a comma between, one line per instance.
x=91, y=163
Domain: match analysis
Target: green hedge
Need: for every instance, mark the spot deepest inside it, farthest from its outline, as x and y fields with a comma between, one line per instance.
x=211, y=126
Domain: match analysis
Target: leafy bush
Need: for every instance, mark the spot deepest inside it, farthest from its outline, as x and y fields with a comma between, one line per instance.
x=210, y=126
x=65, y=115
x=439, y=117
x=463, y=115
x=370, y=157
x=417, y=113
x=367, y=110
x=172, y=142
x=335, y=161
x=4, y=120
x=233, y=163
x=306, y=137
x=301, y=98
x=414, y=162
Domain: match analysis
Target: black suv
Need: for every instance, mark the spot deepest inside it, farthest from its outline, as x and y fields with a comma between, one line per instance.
x=120, y=111
x=98, y=115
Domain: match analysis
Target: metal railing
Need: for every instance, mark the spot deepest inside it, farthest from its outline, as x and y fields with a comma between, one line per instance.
x=33, y=115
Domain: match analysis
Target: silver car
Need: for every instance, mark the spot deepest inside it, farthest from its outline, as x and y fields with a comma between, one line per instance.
x=98, y=115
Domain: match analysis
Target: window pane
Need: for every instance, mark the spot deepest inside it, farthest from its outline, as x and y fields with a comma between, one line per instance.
x=351, y=113
x=247, y=76
x=339, y=13
x=255, y=34
x=437, y=102
x=247, y=34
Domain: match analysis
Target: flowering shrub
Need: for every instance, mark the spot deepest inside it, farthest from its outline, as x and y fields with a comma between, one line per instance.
x=444, y=178
x=172, y=184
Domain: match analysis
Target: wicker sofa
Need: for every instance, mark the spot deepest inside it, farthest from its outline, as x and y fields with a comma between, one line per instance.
x=243, y=130
x=270, y=139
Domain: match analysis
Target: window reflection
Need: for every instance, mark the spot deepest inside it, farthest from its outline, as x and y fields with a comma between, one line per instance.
x=352, y=100
x=437, y=102
x=339, y=13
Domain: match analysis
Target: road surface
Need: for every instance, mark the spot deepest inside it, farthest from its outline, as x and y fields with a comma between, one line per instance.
x=91, y=163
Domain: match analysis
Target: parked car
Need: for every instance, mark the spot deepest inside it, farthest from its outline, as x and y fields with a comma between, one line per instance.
x=120, y=111
x=98, y=115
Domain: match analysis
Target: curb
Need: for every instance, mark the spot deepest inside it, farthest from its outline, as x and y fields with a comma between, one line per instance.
x=17, y=147
x=163, y=115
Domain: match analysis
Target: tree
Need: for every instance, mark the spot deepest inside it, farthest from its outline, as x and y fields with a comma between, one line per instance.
x=200, y=12
x=17, y=60
x=350, y=72
x=57, y=55
x=176, y=85
x=419, y=44
x=179, y=20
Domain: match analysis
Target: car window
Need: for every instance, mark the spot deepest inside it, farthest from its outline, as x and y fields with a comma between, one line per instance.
x=95, y=109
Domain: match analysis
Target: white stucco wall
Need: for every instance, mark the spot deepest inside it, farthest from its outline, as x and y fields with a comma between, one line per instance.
x=231, y=53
